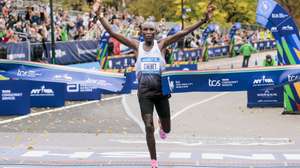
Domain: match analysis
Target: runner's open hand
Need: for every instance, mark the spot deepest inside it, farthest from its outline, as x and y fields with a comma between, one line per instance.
x=209, y=12
x=97, y=6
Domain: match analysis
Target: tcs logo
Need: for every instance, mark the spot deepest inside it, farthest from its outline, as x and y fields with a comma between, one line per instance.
x=214, y=83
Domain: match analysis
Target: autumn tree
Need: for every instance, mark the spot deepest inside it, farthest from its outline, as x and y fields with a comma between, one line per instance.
x=292, y=7
x=157, y=8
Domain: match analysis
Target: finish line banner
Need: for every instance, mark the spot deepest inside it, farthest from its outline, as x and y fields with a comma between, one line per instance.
x=24, y=70
x=229, y=80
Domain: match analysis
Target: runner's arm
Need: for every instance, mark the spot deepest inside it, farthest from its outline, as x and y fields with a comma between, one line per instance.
x=126, y=41
x=172, y=39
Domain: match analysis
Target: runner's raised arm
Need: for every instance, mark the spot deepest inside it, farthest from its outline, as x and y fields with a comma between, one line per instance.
x=172, y=39
x=126, y=41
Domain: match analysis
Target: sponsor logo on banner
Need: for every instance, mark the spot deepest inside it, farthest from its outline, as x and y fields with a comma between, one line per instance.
x=171, y=84
x=274, y=29
x=279, y=15
x=16, y=56
x=29, y=73
x=76, y=88
x=43, y=91
x=222, y=83
x=267, y=93
x=264, y=81
x=64, y=77
x=73, y=88
x=95, y=82
x=265, y=5
x=287, y=28
x=59, y=53
x=178, y=84
x=292, y=78
x=86, y=51
x=8, y=95
x=214, y=83
x=87, y=86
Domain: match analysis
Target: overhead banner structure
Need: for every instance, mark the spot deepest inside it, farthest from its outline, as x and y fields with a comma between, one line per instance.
x=78, y=80
x=228, y=80
x=274, y=17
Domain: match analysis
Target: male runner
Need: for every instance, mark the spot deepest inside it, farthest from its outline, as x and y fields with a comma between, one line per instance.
x=149, y=66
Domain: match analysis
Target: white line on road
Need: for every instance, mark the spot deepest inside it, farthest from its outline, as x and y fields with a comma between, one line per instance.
x=57, y=109
x=219, y=156
x=180, y=155
x=197, y=104
x=292, y=156
x=81, y=155
x=194, y=105
x=35, y=153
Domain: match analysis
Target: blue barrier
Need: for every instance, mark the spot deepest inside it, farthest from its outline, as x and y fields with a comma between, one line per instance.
x=90, y=66
x=54, y=73
x=227, y=80
x=265, y=97
x=183, y=67
x=79, y=92
x=72, y=52
x=15, y=97
x=47, y=94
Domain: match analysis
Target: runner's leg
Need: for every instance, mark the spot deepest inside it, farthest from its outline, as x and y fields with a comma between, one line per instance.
x=163, y=110
x=146, y=106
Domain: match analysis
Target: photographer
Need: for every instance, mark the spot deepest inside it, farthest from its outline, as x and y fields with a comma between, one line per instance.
x=268, y=61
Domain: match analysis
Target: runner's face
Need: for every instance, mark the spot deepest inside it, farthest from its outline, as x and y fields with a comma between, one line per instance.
x=149, y=33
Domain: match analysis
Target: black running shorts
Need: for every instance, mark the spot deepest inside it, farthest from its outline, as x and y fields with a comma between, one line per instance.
x=161, y=104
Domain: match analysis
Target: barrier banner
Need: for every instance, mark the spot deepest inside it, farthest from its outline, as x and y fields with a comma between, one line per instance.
x=73, y=52
x=91, y=66
x=80, y=92
x=187, y=55
x=56, y=73
x=17, y=51
x=184, y=67
x=47, y=94
x=130, y=84
x=121, y=62
x=227, y=80
x=265, y=98
x=14, y=98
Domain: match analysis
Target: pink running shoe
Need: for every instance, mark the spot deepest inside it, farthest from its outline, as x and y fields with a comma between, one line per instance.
x=154, y=164
x=162, y=134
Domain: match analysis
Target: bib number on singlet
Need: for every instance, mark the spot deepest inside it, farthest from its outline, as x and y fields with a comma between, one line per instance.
x=150, y=65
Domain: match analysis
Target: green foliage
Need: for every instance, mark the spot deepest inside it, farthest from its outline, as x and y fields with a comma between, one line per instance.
x=80, y=5
x=228, y=11
x=157, y=8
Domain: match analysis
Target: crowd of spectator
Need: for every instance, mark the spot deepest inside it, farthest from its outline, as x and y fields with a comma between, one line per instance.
x=33, y=23
x=221, y=38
